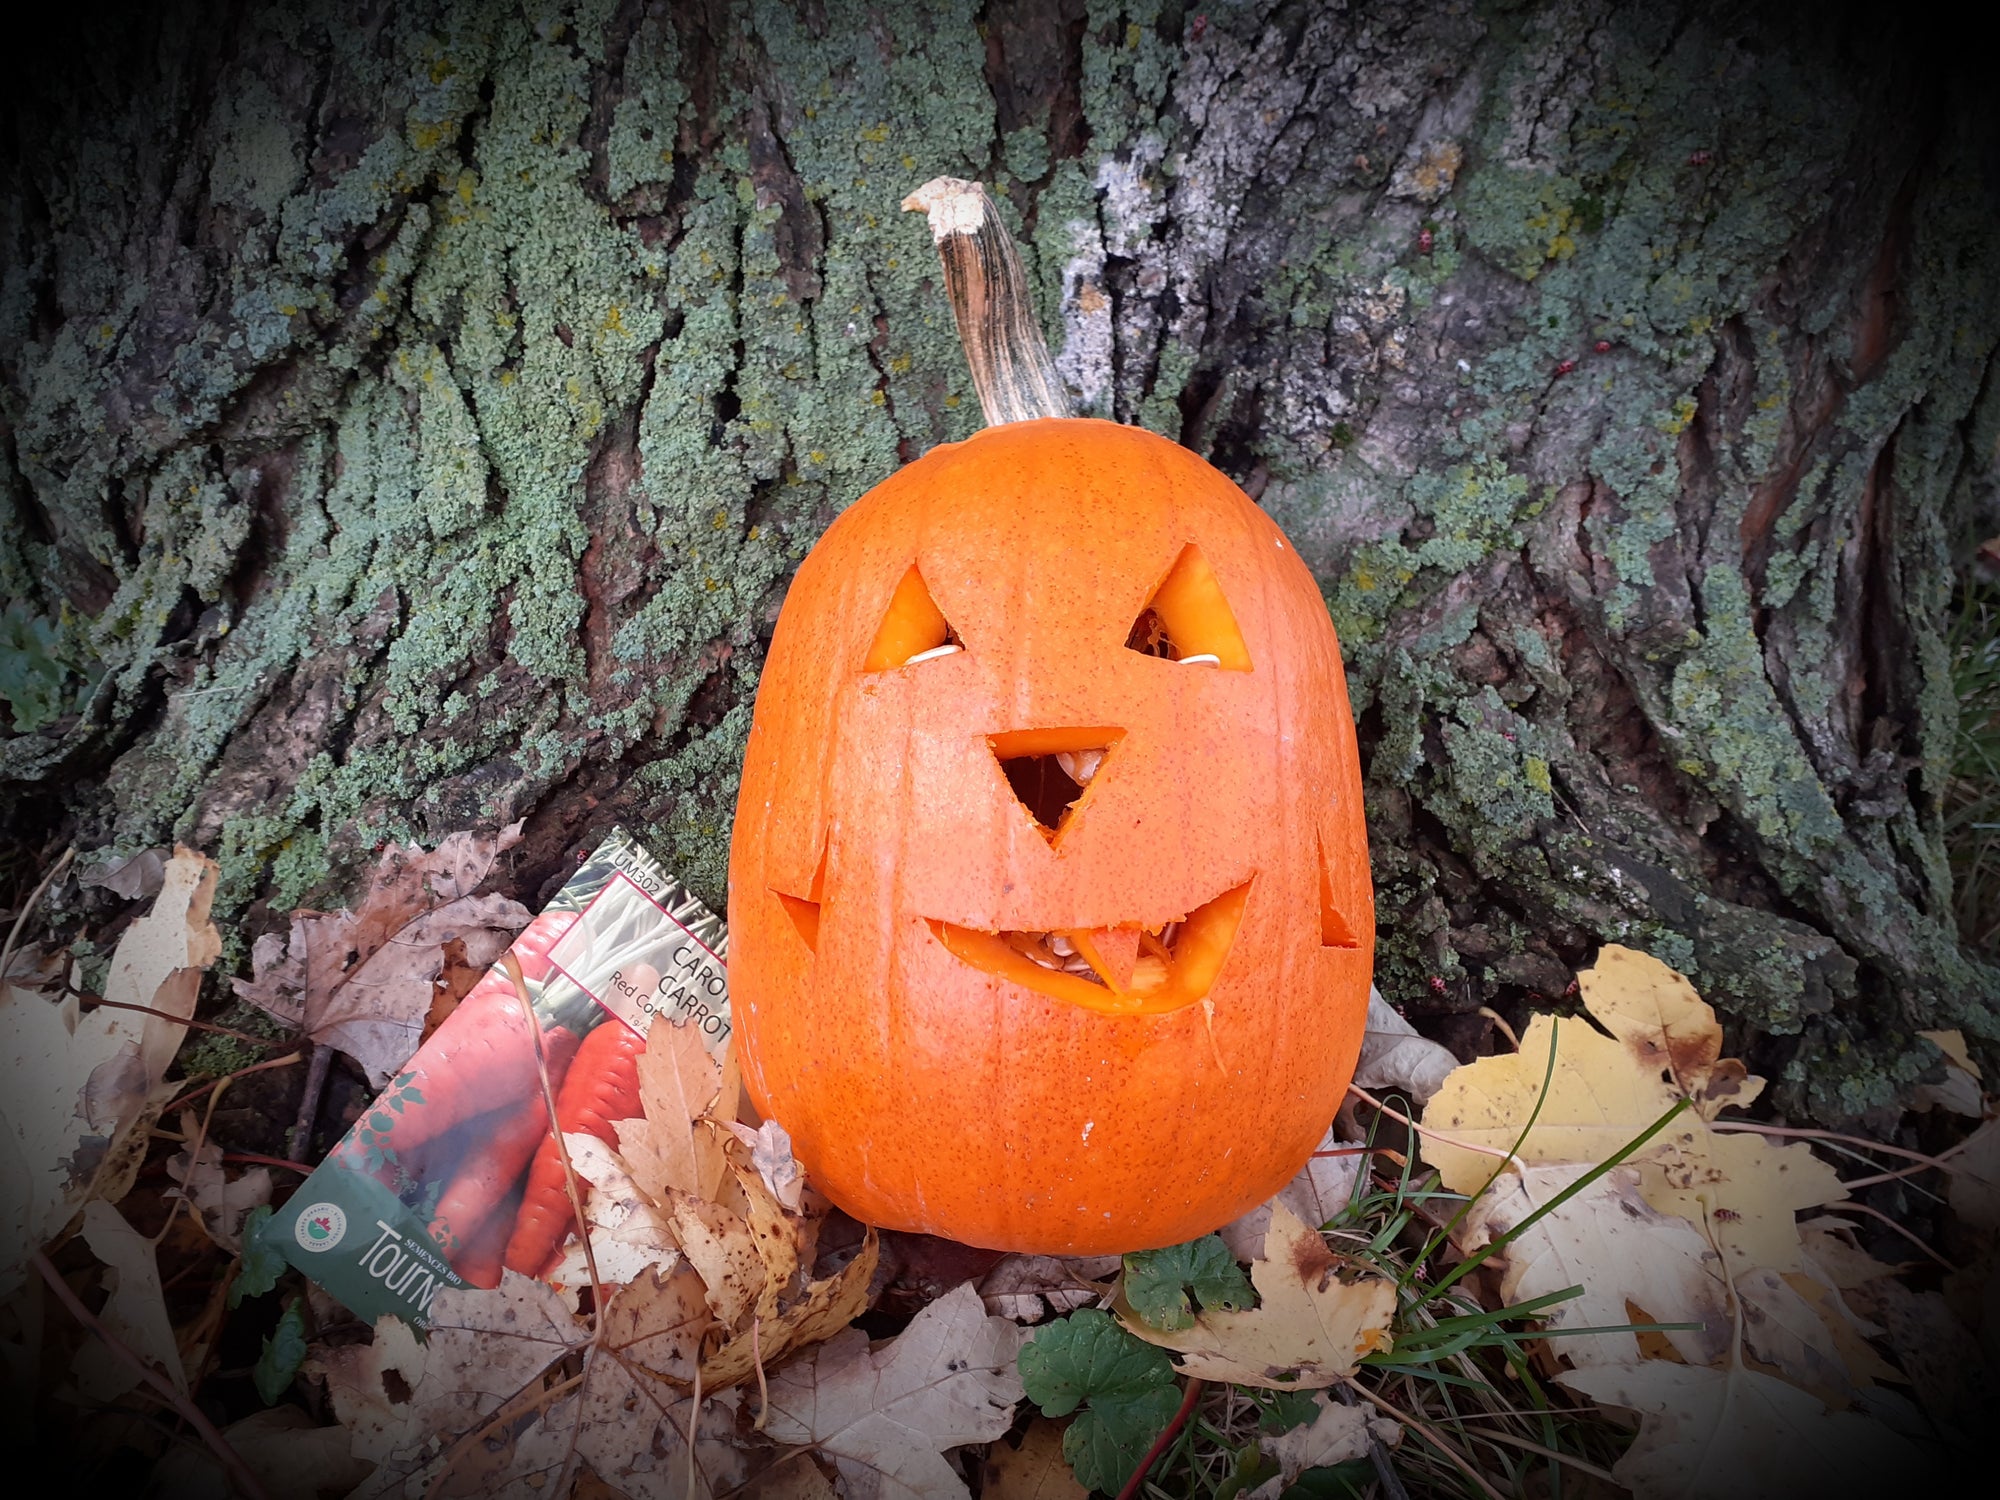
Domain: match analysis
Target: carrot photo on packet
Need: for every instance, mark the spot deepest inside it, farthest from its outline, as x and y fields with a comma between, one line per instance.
x=454, y=1175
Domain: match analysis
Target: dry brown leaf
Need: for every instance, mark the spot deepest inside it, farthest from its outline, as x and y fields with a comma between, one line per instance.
x=1832, y=1257
x=472, y=1410
x=135, y=1312
x=1320, y=1192
x=1611, y=1242
x=885, y=1416
x=1952, y=1044
x=219, y=1203
x=133, y=876
x=1849, y=1331
x=1718, y=1434
x=1973, y=1183
x=1742, y=1189
x=674, y=1148
x=776, y=1235
x=1036, y=1470
x=828, y=1306
x=1307, y=1331
x=295, y=1459
x=406, y=1401
x=720, y=1246
x=794, y=1477
x=1394, y=1056
x=1786, y=1332
x=1027, y=1288
x=78, y=1093
x=361, y=980
x=1336, y=1434
x=628, y=1231
x=770, y=1148
x=1958, y=1090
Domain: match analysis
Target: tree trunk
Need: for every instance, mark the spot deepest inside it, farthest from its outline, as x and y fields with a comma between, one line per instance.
x=414, y=413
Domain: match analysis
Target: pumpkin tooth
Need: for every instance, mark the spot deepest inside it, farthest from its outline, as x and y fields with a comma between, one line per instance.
x=1080, y=765
x=1061, y=946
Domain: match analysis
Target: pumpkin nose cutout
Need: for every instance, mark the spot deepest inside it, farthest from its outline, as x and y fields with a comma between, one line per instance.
x=1050, y=770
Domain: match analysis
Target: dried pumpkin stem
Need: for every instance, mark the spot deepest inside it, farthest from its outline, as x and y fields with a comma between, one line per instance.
x=1011, y=368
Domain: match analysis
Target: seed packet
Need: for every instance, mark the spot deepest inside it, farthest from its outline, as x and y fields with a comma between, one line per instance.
x=452, y=1174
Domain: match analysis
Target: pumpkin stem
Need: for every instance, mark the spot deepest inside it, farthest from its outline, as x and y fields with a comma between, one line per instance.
x=1011, y=368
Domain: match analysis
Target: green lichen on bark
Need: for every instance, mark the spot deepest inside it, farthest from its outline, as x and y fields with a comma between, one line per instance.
x=1622, y=373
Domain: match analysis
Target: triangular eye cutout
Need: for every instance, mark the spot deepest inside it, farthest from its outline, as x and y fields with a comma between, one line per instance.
x=1188, y=620
x=804, y=910
x=1335, y=931
x=914, y=629
x=1049, y=770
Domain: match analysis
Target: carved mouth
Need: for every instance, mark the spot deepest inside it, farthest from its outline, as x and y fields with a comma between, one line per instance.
x=1125, y=970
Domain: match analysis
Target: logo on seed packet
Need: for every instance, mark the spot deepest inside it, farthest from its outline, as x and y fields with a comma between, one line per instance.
x=321, y=1226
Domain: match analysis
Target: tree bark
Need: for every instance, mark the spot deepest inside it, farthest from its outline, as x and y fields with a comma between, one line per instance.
x=413, y=414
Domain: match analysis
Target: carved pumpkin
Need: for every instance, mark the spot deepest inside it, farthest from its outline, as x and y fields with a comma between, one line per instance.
x=1050, y=914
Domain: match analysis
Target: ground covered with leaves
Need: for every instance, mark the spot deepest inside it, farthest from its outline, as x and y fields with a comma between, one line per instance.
x=1581, y=1264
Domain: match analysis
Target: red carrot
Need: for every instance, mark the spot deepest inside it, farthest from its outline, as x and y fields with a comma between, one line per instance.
x=496, y=1162
x=481, y=1057
x=478, y=1264
x=602, y=1087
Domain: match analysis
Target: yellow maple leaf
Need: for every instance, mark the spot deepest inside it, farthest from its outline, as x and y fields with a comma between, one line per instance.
x=1309, y=1327
x=1604, y=1091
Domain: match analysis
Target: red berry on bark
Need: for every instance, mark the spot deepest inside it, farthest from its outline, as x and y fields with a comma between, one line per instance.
x=1699, y=158
x=1565, y=367
x=1197, y=27
x=1425, y=239
x=1602, y=346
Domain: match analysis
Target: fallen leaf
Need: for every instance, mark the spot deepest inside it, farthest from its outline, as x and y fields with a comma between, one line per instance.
x=1716, y=1434
x=135, y=1313
x=794, y=1477
x=1307, y=1331
x=361, y=980
x=133, y=876
x=1743, y=1189
x=628, y=1232
x=79, y=1093
x=1972, y=1180
x=1336, y=1434
x=827, y=1306
x=1849, y=1332
x=403, y=1400
x=674, y=1148
x=1952, y=1045
x=1937, y=1354
x=1958, y=1090
x=295, y=1459
x=1786, y=1332
x=1320, y=1193
x=720, y=1246
x=885, y=1416
x=1036, y=1470
x=1027, y=1288
x=1668, y=1028
x=1618, y=1248
x=1832, y=1257
x=1395, y=1056
x=770, y=1148
x=219, y=1203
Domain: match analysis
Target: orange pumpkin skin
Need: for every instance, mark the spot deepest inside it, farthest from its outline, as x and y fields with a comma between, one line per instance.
x=925, y=1092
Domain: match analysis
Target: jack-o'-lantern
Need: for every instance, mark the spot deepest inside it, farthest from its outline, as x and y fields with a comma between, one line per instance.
x=1050, y=915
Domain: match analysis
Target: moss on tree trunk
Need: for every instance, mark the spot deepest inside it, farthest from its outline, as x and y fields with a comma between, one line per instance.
x=414, y=413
